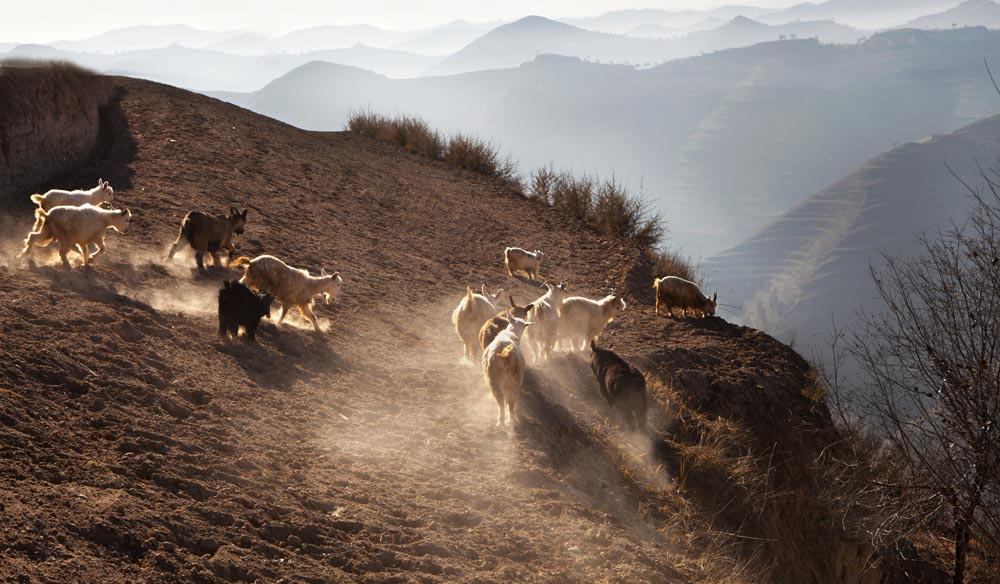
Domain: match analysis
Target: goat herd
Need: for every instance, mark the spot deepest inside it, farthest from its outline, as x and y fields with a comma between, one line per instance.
x=77, y=219
x=554, y=319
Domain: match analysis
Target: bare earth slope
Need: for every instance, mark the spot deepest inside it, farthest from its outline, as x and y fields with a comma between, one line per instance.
x=134, y=446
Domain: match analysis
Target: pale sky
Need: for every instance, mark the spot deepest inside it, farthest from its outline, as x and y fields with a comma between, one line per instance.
x=50, y=20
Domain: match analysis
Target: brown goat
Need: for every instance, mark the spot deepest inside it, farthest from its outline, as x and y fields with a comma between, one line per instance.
x=677, y=296
x=210, y=234
x=500, y=322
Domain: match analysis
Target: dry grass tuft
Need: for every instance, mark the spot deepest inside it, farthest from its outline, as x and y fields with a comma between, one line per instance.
x=415, y=136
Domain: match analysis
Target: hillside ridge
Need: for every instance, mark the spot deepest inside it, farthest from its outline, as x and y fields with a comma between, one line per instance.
x=137, y=446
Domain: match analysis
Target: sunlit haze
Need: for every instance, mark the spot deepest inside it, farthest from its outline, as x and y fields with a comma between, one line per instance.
x=51, y=20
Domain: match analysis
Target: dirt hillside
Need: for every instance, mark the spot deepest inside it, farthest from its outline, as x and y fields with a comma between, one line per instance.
x=136, y=446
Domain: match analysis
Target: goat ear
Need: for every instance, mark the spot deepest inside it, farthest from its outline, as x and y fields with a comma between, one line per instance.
x=335, y=275
x=100, y=181
x=530, y=306
x=512, y=303
x=715, y=297
x=483, y=290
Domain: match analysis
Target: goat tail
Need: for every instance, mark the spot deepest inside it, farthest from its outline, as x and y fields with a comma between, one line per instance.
x=37, y=199
x=240, y=262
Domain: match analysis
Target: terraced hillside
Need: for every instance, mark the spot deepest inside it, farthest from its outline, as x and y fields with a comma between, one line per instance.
x=810, y=269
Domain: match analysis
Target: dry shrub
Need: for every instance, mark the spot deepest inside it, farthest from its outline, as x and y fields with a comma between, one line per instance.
x=606, y=205
x=618, y=213
x=415, y=136
x=574, y=196
x=542, y=184
x=671, y=262
x=408, y=132
x=479, y=156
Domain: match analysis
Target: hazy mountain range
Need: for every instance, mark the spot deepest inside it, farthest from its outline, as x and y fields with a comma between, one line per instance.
x=723, y=143
x=512, y=44
x=970, y=13
x=205, y=69
x=440, y=40
x=624, y=21
x=871, y=14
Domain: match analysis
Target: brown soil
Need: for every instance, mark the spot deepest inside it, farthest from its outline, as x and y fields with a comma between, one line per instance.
x=135, y=446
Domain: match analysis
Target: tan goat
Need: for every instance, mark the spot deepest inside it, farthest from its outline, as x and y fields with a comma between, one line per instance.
x=289, y=286
x=522, y=260
x=470, y=314
x=503, y=368
x=76, y=228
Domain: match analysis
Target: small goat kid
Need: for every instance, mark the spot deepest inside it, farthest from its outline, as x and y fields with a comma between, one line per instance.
x=470, y=315
x=210, y=234
x=521, y=260
x=582, y=319
x=493, y=326
x=241, y=306
x=76, y=228
x=675, y=294
x=503, y=368
x=289, y=286
x=622, y=386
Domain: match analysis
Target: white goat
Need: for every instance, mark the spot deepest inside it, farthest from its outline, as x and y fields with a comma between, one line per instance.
x=545, y=314
x=521, y=260
x=503, y=368
x=76, y=228
x=469, y=316
x=102, y=193
x=582, y=319
x=289, y=286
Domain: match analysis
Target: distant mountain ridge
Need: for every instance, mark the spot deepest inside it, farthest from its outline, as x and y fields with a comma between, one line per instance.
x=871, y=14
x=213, y=70
x=515, y=43
x=724, y=143
x=969, y=13
x=623, y=21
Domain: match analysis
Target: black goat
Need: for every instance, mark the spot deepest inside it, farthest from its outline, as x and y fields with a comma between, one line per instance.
x=622, y=385
x=241, y=306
